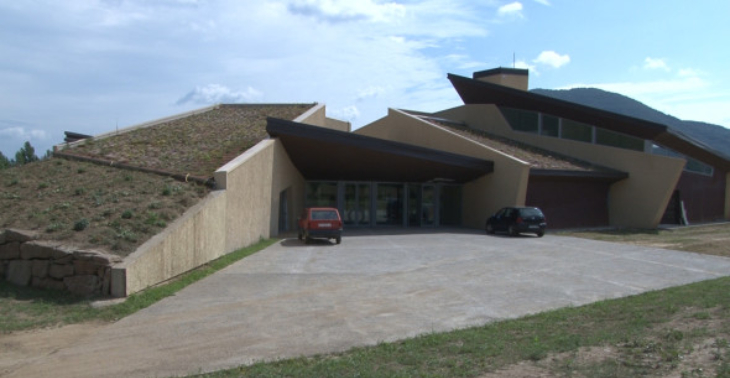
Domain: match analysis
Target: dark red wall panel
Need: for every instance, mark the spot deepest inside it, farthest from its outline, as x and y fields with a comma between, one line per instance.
x=570, y=203
x=703, y=196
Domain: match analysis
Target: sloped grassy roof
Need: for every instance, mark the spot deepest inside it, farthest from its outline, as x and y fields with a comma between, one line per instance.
x=195, y=145
x=92, y=205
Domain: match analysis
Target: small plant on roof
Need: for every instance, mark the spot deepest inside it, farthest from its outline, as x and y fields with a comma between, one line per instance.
x=81, y=224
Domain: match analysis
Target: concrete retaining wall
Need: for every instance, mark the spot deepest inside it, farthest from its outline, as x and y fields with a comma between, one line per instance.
x=26, y=261
x=244, y=209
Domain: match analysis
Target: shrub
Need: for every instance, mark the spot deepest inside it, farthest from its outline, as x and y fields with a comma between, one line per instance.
x=81, y=224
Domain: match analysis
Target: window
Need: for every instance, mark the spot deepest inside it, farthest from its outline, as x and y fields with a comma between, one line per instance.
x=577, y=131
x=521, y=120
x=550, y=126
x=322, y=194
x=697, y=166
x=692, y=165
x=610, y=138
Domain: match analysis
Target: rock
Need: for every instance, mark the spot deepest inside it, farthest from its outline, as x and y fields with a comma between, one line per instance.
x=21, y=236
x=68, y=259
x=40, y=268
x=10, y=251
x=106, y=281
x=60, y=271
x=106, y=260
x=86, y=267
x=84, y=255
x=48, y=283
x=2, y=268
x=41, y=250
x=2, y=237
x=82, y=285
x=19, y=272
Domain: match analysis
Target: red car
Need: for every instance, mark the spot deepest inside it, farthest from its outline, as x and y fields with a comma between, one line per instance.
x=320, y=222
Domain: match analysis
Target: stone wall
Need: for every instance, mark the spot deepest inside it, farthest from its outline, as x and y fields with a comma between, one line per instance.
x=27, y=261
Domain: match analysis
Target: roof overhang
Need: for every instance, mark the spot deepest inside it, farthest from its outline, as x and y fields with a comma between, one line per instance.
x=324, y=154
x=479, y=92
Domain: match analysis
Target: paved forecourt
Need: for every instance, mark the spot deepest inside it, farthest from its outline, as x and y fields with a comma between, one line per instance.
x=294, y=299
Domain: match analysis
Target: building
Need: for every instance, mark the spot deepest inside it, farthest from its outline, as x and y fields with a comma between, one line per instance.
x=583, y=166
x=505, y=146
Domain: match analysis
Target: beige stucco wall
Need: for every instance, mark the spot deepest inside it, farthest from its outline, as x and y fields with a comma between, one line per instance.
x=638, y=201
x=316, y=116
x=507, y=185
x=508, y=80
x=192, y=240
x=247, y=180
x=287, y=178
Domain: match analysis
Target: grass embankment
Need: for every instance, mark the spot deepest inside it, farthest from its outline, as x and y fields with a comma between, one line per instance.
x=707, y=239
x=28, y=308
x=92, y=206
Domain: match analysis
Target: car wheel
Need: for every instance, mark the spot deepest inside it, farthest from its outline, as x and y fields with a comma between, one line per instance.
x=540, y=234
x=338, y=240
x=512, y=231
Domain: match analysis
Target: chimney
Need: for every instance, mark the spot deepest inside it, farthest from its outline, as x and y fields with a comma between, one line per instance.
x=508, y=77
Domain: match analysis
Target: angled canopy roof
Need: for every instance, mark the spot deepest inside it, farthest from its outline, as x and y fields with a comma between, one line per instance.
x=479, y=92
x=324, y=154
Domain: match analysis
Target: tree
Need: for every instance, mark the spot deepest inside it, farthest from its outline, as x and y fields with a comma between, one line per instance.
x=4, y=162
x=25, y=155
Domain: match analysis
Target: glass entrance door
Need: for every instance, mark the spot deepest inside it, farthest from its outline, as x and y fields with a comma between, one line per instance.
x=428, y=205
x=357, y=204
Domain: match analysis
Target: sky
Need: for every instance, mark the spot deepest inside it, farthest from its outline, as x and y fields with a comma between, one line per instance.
x=92, y=66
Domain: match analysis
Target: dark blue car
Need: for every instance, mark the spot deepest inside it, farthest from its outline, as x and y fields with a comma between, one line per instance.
x=515, y=220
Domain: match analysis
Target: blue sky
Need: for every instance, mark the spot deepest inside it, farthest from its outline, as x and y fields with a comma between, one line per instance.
x=91, y=66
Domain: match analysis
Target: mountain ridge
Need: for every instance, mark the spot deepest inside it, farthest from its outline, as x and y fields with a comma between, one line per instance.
x=714, y=136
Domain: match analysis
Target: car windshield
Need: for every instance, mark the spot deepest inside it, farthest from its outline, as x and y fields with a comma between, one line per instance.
x=324, y=215
x=532, y=212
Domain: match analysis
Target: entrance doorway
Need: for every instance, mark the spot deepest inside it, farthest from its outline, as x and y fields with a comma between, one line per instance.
x=383, y=204
x=357, y=204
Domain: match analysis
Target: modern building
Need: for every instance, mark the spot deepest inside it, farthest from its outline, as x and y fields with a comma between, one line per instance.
x=505, y=146
x=583, y=166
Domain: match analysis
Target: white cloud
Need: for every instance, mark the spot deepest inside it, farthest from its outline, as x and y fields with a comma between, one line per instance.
x=215, y=93
x=510, y=10
x=335, y=11
x=689, y=72
x=527, y=66
x=553, y=59
x=655, y=64
x=369, y=92
x=347, y=113
x=543, y=2
x=14, y=137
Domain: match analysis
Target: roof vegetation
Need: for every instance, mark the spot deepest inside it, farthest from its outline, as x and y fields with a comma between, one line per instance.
x=104, y=207
x=196, y=145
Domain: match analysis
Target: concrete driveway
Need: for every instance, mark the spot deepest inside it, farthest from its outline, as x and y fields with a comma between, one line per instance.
x=294, y=299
